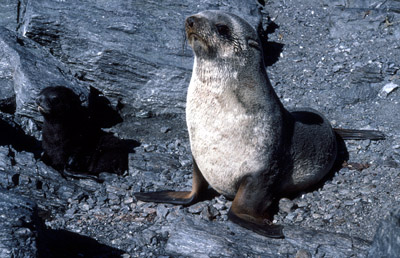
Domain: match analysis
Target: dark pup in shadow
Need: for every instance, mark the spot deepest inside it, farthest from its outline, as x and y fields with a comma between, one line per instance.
x=73, y=142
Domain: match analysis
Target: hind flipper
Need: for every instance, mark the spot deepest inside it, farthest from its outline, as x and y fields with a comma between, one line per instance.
x=351, y=134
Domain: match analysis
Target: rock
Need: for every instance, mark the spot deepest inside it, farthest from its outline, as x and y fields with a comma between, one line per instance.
x=18, y=226
x=201, y=239
x=8, y=14
x=388, y=88
x=29, y=68
x=286, y=205
x=7, y=96
x=303, y=254
x=326, y=243
x=133, y=52
x=387, y=237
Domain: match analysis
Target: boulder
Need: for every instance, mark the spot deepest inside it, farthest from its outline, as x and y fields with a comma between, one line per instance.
x=387, y=237
x=26, y=68
x=18, y=226
x=134, y=52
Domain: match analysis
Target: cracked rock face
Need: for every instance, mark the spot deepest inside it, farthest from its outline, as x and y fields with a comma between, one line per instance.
x=338, y=57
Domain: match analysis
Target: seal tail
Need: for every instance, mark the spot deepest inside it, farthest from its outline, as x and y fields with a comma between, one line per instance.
x=351, y=134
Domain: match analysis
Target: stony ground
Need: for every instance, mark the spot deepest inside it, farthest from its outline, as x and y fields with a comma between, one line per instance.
x=339, y=57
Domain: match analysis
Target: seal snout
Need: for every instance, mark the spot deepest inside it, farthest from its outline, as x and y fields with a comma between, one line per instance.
x=190, y=21
x=191, y=25
x=41, y=104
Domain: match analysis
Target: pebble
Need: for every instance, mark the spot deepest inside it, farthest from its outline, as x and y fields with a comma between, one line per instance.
x=388, y=88
x=165, y=129
x=303, y=254
x=286, y=205
x=197, y=207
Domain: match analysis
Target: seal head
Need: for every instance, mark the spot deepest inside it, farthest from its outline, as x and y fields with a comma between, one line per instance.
x=213, y=34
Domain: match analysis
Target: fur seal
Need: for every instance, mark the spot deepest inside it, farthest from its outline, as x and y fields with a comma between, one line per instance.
x=73, y=143
x=244, y=143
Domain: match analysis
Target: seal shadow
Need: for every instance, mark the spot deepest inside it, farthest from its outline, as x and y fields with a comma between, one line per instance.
x=271, y=50
x=100, y=110
x=13, y=135
x=91, y=150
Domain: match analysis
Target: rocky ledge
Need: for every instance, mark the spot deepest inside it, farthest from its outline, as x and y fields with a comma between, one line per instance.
x=339, y=57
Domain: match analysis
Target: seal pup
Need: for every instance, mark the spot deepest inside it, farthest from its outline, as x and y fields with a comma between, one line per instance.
x=72, y=142
x=244, y=143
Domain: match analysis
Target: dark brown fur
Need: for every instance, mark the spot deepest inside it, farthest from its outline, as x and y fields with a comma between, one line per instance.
x=72, y=142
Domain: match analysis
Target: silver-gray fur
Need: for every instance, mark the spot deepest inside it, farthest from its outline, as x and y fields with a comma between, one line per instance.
x=237, y=125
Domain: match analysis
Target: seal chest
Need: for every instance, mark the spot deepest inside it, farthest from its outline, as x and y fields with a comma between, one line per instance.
x=227, y=141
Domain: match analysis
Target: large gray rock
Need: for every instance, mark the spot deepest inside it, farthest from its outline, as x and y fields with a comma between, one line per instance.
x=26, y=68
x=8, y=14
x=387, y=238
x=134, y=52
x=18, y=226
x=201, y=239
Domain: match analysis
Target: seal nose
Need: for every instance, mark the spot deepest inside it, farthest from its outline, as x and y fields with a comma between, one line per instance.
x=190, y=21
x=39, y=99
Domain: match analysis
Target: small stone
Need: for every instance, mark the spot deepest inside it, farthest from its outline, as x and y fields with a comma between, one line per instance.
x=196, y=208
x=162, y=211
x=316, y=216
x=85, y=207
x=206, y=215
x=144, y=114
x=128, y=200
x=149, y=147
x=165, y=129
x=286, y=205
x=303, y=254
x=291, y=216
x=219, y=206
x=70, y=211
x=349, y=203
x=302, y=204
x=328, y=216
x=388, y=88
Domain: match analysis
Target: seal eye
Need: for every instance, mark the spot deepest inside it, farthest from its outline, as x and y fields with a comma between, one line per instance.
x=54, y=99
x=222, y=29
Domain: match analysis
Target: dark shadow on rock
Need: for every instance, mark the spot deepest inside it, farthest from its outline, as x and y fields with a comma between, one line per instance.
x=271, y=50
x=73, y=141
x=101, y=112
x=12, y=134
x=62, y=243
x=308, y=117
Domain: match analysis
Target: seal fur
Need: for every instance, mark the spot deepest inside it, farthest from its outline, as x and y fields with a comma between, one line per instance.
x=244, y=143
x=72, y=142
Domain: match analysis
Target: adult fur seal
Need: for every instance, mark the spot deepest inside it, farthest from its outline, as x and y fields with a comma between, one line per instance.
x=72, y=142
x=244, y=143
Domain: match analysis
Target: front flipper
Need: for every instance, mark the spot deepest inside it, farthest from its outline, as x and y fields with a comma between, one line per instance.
x=265, y=228
x=199, y=187
x=250, y=207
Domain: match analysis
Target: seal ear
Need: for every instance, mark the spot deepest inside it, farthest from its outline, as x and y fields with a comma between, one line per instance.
x=253, y=43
